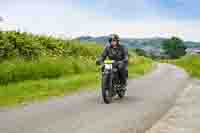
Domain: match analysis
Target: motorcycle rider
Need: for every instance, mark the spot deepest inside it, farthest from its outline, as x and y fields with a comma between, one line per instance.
x=117, y=52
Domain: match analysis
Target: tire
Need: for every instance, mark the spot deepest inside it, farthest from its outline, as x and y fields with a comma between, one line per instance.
x=106, y=91
x=121, y=94
x=107, y=98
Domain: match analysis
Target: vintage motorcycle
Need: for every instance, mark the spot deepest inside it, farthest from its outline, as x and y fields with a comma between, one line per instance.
x=111, y=84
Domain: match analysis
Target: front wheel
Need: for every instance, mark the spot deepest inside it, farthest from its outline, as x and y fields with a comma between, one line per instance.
x=107, y=98
x=106, y=91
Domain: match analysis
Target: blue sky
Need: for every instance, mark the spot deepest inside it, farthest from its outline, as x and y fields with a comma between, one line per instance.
x=129, y=18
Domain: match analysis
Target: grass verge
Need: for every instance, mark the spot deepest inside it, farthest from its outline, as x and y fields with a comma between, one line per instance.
x=191, y=63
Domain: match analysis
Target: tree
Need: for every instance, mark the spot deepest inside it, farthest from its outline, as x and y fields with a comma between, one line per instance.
x=174, y=47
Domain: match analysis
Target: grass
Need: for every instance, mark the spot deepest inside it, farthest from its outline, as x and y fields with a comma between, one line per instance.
x=34, y=90
x=191, y=63
x=28, y=91
x=48, y=67
x=140, y=66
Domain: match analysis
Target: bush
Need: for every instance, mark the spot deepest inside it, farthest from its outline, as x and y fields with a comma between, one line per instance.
x=20, y=70
x=174, y=47
x=28, y=46
x=140, y=52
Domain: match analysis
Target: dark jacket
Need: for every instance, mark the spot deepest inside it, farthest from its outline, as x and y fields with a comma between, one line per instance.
x=118, y=54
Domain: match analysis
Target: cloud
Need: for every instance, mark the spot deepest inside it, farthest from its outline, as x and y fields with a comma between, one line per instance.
x=1, y=19
x=72, y=19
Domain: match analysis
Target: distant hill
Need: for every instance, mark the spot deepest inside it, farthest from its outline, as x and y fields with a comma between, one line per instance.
x=191, y=44
x=145, y=43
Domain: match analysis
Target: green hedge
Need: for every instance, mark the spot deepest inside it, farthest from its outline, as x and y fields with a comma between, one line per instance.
x=19, y=70
x=28, y=46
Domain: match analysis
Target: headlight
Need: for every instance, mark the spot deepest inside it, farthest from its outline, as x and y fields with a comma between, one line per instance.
x=108, y=66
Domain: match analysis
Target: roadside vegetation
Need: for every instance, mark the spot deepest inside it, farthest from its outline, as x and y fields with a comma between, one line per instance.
x=191, y=63
x=172, y=48
x=36, y=67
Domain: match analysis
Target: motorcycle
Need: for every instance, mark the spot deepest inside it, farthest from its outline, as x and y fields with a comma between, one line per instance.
x=111, y=84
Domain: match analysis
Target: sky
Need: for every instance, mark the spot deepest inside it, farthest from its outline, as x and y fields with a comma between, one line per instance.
x=128, y=18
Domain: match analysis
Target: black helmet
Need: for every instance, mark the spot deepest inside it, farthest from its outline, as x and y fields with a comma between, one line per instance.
x=114, y=37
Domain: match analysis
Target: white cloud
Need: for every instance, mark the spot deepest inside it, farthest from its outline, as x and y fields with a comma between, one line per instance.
x=71, y=21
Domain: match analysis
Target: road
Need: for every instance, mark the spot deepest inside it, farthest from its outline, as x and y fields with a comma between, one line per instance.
x=184, y=116
x=148, y=99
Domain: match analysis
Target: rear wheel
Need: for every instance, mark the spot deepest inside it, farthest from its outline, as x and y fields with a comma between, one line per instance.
x=121, y=93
